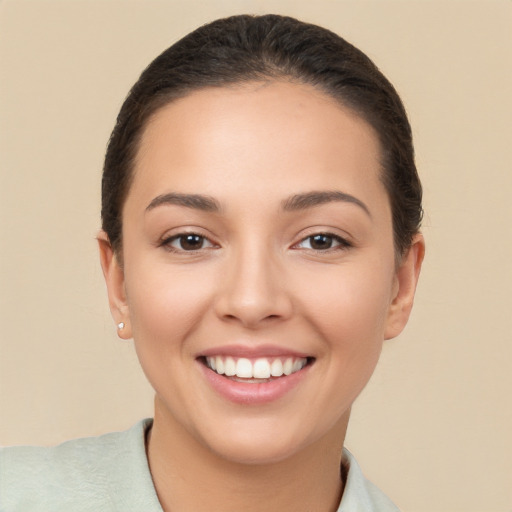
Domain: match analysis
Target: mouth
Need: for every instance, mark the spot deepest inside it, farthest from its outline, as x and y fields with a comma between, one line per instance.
x=258, y=370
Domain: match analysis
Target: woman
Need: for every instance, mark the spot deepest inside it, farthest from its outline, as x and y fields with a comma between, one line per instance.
x=260, y=241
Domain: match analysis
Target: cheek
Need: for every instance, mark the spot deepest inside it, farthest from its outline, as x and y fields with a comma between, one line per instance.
x=358, y=295
x=349, y=308
x=165, y=306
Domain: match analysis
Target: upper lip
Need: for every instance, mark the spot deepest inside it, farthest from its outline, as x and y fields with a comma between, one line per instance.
x=252, y=351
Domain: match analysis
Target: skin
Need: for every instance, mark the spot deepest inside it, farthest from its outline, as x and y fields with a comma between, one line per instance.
x=257, y=280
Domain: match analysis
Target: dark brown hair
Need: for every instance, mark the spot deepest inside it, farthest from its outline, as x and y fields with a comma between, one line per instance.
x=261, y=48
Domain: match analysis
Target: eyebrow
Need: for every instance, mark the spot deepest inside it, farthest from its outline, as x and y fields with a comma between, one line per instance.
x=196, y=201
x=294, y=203
x=318, y=198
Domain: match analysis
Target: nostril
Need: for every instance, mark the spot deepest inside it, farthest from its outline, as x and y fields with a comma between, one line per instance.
x=252, y=302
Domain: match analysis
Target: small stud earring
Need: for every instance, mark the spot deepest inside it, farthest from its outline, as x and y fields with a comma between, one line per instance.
x=120, y=325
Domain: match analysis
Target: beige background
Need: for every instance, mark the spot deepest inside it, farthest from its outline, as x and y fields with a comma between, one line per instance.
x=434, y=426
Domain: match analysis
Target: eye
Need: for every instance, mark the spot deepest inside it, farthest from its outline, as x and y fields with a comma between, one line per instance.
x=323, y=242
x=187, y=242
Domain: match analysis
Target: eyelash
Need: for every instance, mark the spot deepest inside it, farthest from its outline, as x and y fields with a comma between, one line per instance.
x=167, y=242
x=342, y=243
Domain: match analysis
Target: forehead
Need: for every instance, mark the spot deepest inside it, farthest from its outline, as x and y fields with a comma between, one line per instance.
x=256, y=135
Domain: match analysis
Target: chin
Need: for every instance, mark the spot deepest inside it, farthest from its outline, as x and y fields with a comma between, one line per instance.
x=260, y=442
x=255, y=452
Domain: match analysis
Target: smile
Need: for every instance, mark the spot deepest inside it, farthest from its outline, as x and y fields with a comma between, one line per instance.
x=255, y=369
x=254, y=376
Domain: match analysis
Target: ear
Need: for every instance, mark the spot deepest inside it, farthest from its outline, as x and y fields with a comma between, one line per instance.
x=114, y=279
x=404, y=288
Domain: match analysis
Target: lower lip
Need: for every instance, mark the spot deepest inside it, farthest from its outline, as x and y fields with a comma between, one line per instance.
x=252, y=393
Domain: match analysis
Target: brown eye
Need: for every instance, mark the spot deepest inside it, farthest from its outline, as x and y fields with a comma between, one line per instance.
x=191, y=242
x=187, y=242
x=323, y=242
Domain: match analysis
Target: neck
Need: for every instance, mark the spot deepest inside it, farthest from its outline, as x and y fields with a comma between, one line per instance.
x=189, y=477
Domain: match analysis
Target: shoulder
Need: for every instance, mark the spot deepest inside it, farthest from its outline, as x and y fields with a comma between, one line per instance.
x=95, y=473
x=360, y=495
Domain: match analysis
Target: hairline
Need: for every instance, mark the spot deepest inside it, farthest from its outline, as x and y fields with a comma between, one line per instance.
x=162, y=99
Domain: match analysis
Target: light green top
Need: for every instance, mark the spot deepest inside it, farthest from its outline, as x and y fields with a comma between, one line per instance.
x=110, y=473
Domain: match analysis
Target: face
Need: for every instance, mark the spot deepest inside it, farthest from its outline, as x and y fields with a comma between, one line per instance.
x=259, y=277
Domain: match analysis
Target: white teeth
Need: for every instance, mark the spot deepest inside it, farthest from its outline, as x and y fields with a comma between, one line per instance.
x=244, y=368
x=288, y=366
x=219, y=365
x=276, y=370
x=230, y=367
x=260, y=368
x=297, y=365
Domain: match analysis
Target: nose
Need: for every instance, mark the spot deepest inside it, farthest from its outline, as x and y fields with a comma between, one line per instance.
x=254, y=289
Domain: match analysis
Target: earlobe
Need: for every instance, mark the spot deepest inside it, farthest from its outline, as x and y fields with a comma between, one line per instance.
x=406, y=279
x=114, y=279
